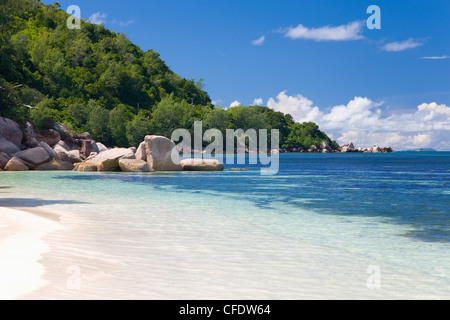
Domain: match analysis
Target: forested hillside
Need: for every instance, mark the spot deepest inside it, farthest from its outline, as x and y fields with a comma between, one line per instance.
x=95, y=80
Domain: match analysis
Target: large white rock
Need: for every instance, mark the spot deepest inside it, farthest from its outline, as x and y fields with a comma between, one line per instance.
x=109, y=160
x=375, y=149
x=101, y=147
x=60, y=149
x=325, y=146
x=134, y=165
x=347, y=148
x=86, y=167
x=159, y=154
x=201, y=165
x=35, y=156
x=141, y=153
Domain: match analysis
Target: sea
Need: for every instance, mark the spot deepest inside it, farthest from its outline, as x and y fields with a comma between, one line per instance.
x=326, y=226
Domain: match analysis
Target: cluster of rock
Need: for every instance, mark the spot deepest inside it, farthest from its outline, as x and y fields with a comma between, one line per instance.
x=155, y=153
x=22, y=150
x=324, y=148
x=375, y=149
x=47, y=150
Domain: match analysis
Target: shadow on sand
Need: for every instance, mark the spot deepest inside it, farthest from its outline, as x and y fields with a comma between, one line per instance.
x=31, y=203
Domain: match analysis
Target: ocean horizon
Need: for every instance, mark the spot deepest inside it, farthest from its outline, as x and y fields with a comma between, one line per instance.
x=327, y=226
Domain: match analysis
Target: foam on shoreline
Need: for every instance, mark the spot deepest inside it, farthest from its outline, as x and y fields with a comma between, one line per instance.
x=21, y=248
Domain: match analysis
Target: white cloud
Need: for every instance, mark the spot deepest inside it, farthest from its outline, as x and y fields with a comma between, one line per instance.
x=235, y=104
x=98, y=18
x=259, y=41
x=436, y=57
x=258, y=102
x=363, y=122
x=358, y=113
x=127, y=23
x=299, y=107
x=350, y=31
x=434, y=107
x=401, y=45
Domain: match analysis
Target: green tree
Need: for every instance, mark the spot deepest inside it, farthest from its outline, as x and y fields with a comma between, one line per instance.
x=98, y=125
x=171, y=114
x=117, y=122
x=136, y=130
x=279, y=121
x=80, y=112
x=307, y=134
x=248, y=118
x=218, y=119
x=44, y=117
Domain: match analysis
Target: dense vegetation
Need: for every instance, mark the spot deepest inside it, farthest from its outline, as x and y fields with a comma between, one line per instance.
x=95, y=80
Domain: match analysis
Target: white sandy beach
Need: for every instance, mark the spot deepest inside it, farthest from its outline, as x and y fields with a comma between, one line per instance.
x=21, y=247
x=267, y=269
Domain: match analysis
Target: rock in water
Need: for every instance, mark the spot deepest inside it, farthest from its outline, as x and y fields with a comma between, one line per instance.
x=109, y=160
x=55, y=165
x=375, y=149
x=201, y=165
x=134, y=165
x=159, y=154
x=86, y=167
x=347, y=148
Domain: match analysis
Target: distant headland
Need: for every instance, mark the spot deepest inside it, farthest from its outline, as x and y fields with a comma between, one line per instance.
x=420, y=150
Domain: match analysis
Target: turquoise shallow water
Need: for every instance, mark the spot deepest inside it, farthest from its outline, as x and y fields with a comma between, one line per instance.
x=312, y=230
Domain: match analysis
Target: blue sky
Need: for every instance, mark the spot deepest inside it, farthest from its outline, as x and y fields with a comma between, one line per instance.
x=304, y=57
